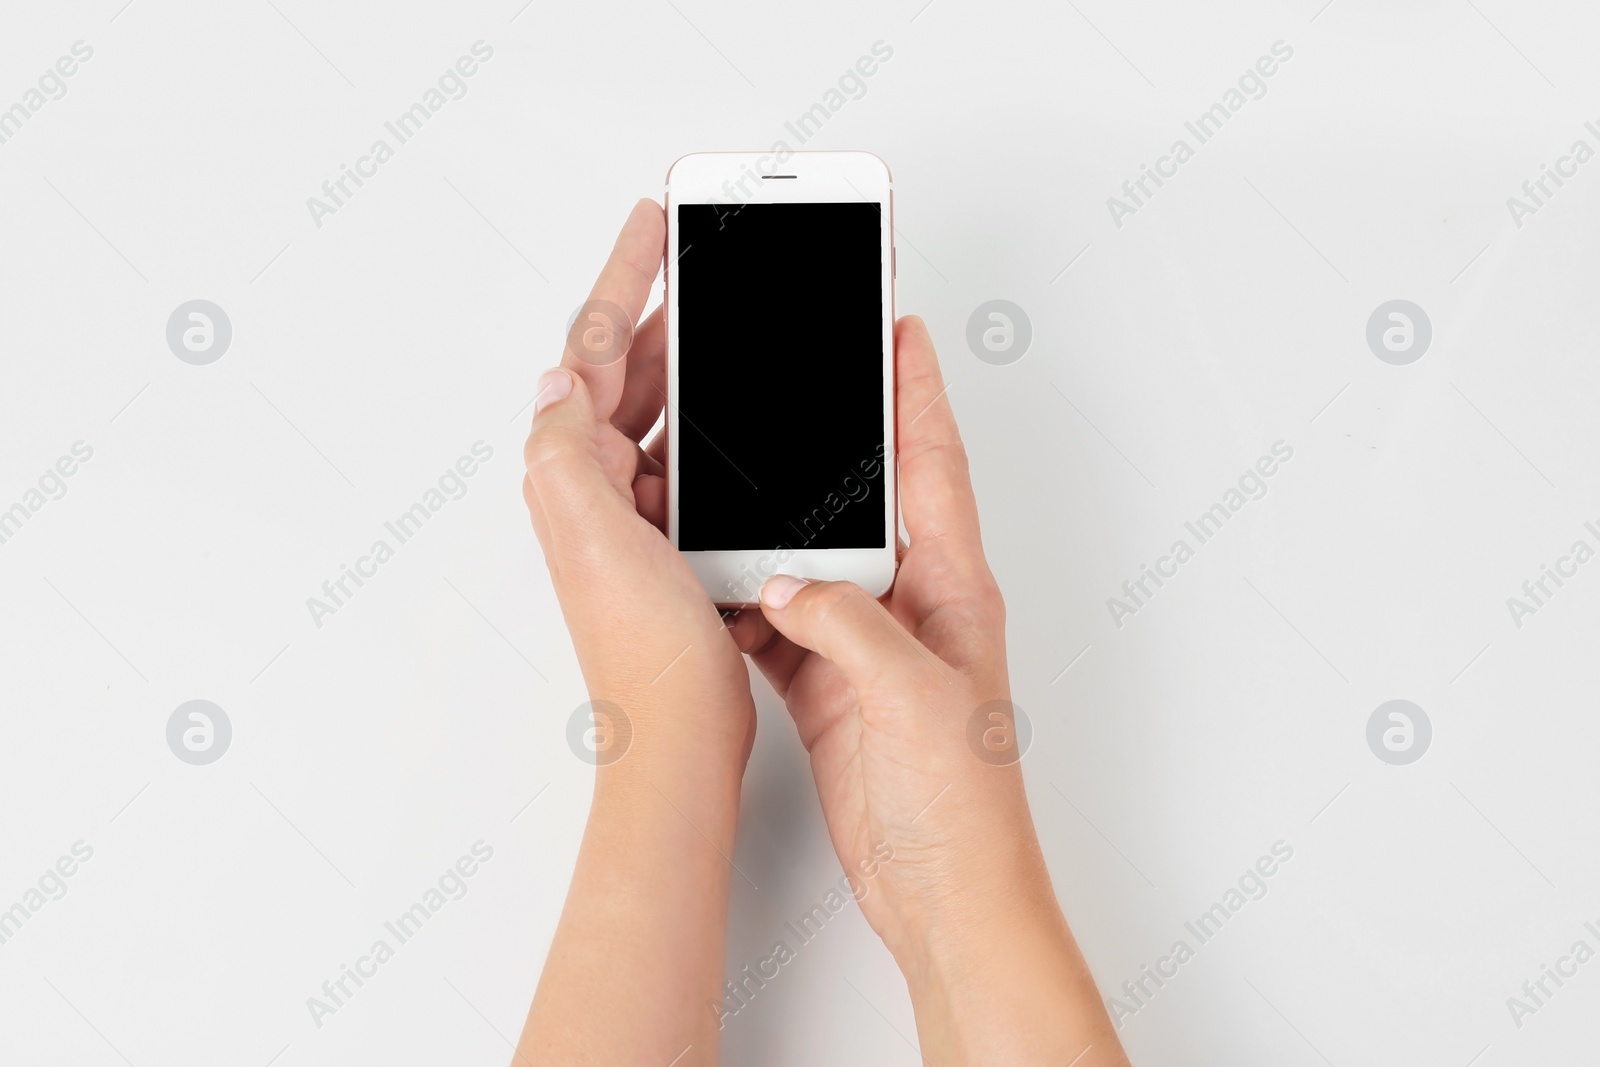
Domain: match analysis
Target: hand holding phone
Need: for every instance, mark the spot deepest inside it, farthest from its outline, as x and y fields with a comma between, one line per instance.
x=647, y=637
x=885, y=694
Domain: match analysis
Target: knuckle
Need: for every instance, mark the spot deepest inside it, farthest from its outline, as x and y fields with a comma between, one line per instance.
x=988, y=600
x=949, y=450
x=846, y=609
x=833, y=598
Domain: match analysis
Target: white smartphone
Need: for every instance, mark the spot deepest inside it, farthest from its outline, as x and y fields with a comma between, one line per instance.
x=780, y=369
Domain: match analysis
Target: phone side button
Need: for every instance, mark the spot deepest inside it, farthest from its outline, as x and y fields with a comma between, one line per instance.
x=894, y=268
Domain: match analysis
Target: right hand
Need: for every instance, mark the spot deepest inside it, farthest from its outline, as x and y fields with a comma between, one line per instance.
x=883, y=693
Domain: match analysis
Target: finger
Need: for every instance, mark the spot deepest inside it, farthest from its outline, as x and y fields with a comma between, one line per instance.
x=579, y=505
x=935, y=488
x=819, y=696
x=644, y=389
x=650, y=500
x=844, y=625
x=780, y=663
x=623, y=460
x=750, y=630
x=623, y=287
x=645, y=463
x=813, y=689
x=778, y=657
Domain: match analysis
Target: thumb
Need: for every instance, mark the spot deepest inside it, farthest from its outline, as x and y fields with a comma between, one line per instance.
x=843, y=624
x=566, y=479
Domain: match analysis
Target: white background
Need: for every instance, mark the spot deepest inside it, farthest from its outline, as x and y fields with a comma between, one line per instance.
x=369, y=353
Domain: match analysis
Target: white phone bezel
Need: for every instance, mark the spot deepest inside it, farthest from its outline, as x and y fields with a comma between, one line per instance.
x=732, y=179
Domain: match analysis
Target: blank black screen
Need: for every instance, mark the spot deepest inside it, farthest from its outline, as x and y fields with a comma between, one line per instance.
x=780, y=377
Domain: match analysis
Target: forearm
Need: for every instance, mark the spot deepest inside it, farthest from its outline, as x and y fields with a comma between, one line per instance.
x=637, y=957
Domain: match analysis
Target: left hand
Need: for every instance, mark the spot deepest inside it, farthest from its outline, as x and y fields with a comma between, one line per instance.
x=647, y=636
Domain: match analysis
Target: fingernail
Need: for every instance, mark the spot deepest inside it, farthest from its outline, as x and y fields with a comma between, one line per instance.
x=778, y=590
x=553, y=385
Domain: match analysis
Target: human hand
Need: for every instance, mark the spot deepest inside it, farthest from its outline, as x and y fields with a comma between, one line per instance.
x=649, y=641
x=881, y=691
x=885, y=695
x=647, y=636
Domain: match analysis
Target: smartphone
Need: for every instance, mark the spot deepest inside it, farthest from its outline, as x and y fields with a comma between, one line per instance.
x=780, y=453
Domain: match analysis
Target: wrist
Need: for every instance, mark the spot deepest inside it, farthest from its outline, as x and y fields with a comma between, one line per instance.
x=969, y=869
x=985, y=901
x=693, y=816
x=659, y=760
x=661, y=733
x=993, y=971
